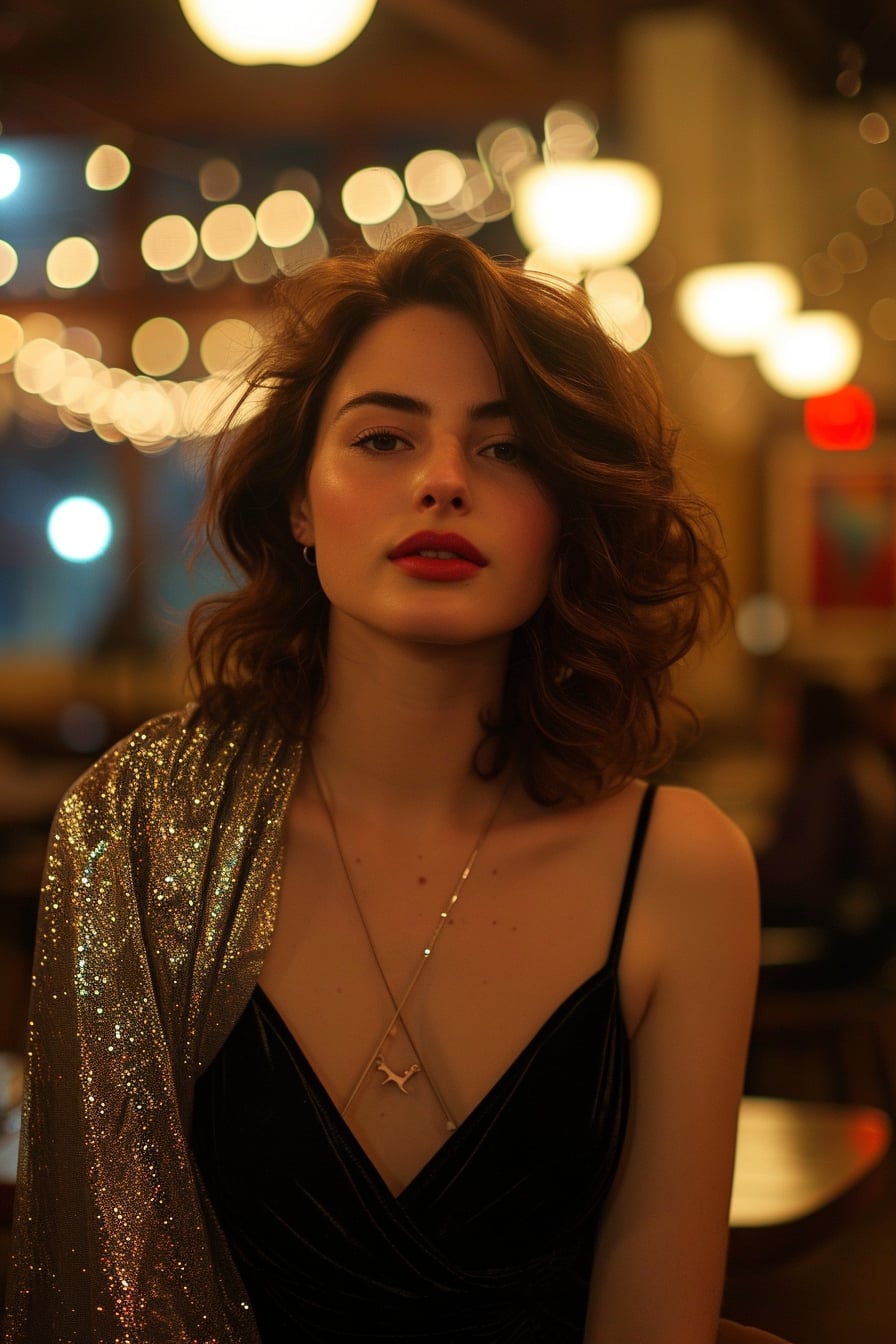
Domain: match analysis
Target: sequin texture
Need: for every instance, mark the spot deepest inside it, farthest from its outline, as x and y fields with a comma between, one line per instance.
x=158, y=904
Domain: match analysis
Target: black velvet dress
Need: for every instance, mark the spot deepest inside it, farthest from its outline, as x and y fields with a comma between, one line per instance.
x=491, y=1241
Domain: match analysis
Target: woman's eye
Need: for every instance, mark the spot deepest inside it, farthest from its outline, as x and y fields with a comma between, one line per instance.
x=504, y=452
x=378, y=441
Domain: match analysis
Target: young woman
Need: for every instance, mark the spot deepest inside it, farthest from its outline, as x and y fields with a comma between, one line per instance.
x=377, y=995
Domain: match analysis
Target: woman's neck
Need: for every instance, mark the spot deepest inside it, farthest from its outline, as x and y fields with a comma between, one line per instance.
x=400, y=725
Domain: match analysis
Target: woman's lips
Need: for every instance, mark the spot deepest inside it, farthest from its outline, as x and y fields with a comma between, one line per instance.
x=439, y=546
x=436, y=568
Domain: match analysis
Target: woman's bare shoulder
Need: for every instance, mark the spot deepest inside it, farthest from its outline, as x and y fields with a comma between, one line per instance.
x=697, y=838
x=699, y=880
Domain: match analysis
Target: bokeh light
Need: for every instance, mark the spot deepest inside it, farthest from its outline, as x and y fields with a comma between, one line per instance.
x=372, y=195
x=381, y=235
x=882, y=319
x=763, y=624
x=874, y=128
x=284, y=218
x=169, y=242
x=268, y=31
x=79, y=529
x=821, y=275
x=599, y=213
x=433, y=177
x=12, y=338
x=731, y=309
x=227, y=345
x=841, y=421
x=219, y=179
x=848, y=252
x=72, y=263
x=874, y=207
x=228, y=231
x=570, y=132
x=810, y=353
x=9, y=262
x=10, y=175
x=107, y=168
x=159, y=346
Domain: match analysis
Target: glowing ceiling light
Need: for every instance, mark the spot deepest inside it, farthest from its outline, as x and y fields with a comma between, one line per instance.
x=731, y=309
x=283, y=32
x=598, y=213
x=810, y=353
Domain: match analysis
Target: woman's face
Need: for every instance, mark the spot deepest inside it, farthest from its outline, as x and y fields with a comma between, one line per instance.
x=427, y=521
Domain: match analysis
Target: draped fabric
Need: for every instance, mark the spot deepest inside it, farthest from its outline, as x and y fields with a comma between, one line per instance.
x=157, y=908
x=491, y=1241
x=158, y=905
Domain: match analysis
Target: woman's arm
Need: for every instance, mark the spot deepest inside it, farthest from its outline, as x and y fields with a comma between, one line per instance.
x=693, y=941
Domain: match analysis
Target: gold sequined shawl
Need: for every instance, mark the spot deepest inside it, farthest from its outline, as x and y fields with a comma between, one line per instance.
x=158, y=904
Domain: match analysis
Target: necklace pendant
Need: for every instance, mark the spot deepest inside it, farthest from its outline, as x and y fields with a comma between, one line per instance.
x=400, y=1080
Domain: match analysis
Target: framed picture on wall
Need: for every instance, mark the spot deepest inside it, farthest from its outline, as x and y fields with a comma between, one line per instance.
x=831, y=546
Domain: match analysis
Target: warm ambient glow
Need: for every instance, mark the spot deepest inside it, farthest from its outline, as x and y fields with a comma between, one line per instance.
x=729, y=310
x=597, y=213
x=282, y=32
x=841, y=421
x=810, y=353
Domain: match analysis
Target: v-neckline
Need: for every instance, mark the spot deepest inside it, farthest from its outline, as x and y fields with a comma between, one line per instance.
x=375, y=1176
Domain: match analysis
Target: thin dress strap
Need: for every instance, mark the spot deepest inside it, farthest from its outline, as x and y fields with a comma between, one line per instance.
x=631, y=873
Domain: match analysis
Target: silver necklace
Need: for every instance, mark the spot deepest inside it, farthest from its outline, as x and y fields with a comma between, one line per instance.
x=377, y=1060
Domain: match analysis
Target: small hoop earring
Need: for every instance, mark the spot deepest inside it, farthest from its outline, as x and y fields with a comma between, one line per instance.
x=309, y=556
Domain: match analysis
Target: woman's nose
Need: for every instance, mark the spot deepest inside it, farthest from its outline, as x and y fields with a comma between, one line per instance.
x=443, y=481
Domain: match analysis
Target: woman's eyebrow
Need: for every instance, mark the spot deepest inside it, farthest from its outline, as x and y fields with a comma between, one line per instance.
x=397, y=401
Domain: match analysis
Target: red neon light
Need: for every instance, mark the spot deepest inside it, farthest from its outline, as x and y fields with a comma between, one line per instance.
x=842, y=421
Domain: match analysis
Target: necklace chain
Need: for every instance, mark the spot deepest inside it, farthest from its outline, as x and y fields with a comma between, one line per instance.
x=398, y=1005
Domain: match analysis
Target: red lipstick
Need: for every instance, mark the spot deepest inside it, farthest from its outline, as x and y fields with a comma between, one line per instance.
x=440, y=557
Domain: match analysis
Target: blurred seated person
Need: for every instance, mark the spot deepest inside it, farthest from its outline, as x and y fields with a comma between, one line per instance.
x=829, y=849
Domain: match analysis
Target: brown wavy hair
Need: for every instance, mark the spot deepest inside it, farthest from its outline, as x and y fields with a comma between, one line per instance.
x=637, y=579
